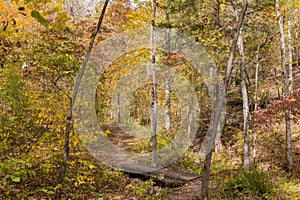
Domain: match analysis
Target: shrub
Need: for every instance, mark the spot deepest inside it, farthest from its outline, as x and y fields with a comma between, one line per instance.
x=250, y=183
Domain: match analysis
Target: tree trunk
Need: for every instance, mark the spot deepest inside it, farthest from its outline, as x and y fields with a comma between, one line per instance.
x=118, y=108
x=218, y=141
x=217, y=13
x=296, y=37
x=168, y=86
x=153, y=114
x=245, y=105
x=207, y=145
x=63, y=168
x=206, y=174
x=290, y=52
x=256, y=102
x=256, y=78
x=246, y=160
x=289, y=158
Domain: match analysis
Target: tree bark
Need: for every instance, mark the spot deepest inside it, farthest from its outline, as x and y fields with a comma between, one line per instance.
x=218, y=141
x=153, y=114
x=217, y=15
x=218, y=107
x=245, y=104
x=246, y=160
x=168, y=86
x=290, y=51
x=206, y=174
x=256, y=78
x=289, y=159
x=296, y=37
x=256, y=102
x=63, y=168
x=118, y=108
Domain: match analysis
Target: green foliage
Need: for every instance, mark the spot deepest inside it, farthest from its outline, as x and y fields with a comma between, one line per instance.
x=188, y=162
x=142, y=191
x=12, y=91
x=60, y=59
x=113, y=178
x=144, y=144
x=39, y=17
x=250, y=183
x=145, y=190
x=15, y=108
x=16, y=170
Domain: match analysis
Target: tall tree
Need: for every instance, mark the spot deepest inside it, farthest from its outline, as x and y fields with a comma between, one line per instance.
x=153, y=114
x=286, y=83
x=240, y=42
x=255, y=102
x=296, y=19
x=168, y=86
x=290, y=48
x=63, y=168
x=218, y=106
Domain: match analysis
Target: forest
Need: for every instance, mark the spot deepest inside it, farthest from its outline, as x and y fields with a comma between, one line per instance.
x=158, y=99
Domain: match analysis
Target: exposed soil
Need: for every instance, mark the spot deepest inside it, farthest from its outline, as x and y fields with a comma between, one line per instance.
x=188, y=191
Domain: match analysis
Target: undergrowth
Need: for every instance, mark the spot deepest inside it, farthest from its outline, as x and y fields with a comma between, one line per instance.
x=253, y=182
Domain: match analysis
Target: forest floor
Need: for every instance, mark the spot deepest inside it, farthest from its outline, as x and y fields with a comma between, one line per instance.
x=192, y=189
x=188, y=191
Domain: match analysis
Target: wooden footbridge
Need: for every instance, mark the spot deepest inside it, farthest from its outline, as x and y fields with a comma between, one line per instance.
x=124, y=141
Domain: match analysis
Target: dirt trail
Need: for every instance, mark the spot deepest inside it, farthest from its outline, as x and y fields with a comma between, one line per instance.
x=188, y=191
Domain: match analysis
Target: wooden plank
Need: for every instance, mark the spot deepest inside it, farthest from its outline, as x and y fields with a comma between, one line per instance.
x=180, y=176
x=164, y=174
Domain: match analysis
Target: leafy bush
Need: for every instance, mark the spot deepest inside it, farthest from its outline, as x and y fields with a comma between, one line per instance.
x=250, y=183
